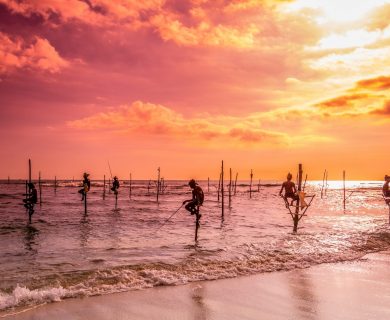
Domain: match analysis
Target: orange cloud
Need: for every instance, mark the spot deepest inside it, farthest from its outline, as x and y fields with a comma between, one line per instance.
x=342, y=101
x=204, y=33
x=146, y=118
x=379, y=83
x=257, y=129
x=40, y=54
x=385, y=110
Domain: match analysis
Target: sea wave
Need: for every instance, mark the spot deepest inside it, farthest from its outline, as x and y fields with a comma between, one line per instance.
x=247, y=259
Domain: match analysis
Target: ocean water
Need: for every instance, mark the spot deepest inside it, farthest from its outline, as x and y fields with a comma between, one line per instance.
x=66, y=253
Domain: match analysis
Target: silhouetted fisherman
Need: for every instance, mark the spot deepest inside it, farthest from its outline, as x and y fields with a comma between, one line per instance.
x=86, y=185
x=290, y=190
x=115, y=185
x=31, y=199
x=385, y=189
x=197, y=200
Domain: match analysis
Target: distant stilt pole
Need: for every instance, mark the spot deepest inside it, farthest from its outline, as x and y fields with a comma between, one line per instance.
x=222, y=193
x=55, y=184
x=219, y=185
x=250, y=186
x=40, y=188
x=130, y=187
x=230, y=188
x=116, y=198
x=208, y=184
x=235, y=184
x=344, y=189
x=158, y=183
x=149, y=186
x=296, y=215
x=104, y=187
x=31, y=206
x=326, y=181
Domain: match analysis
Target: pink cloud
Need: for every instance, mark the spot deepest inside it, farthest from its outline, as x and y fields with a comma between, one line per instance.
x=151, y=119
x=40, y=54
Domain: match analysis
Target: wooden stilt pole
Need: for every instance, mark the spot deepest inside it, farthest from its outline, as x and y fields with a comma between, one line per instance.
x=104, y=187
x=296, y=215
x=31, y=206
x=149, y=186
x=40, y=188
x=219, y=184
x=326, y=181
x=85, y=202
x=130, y=187
x=29, y=170
x=230, y=188
x=55, y=184
x=222, y=193
x=235, y=184
x=109, y=185
x=208, y=184
x=389, y=211
x=250, y=185
x=158, y=183
x=344, y=199
x=26, y=190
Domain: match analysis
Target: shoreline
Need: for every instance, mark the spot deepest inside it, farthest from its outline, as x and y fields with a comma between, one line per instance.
x=357, y=289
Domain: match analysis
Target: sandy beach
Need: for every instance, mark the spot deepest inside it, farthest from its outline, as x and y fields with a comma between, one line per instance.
x=349, y=290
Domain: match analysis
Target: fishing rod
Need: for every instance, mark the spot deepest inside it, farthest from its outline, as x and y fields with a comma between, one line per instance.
x=109, y=168
x=169, y=218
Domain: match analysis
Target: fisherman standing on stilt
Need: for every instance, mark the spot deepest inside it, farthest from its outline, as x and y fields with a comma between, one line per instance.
x=86, y=185
x=115, y=185
x=197, y=200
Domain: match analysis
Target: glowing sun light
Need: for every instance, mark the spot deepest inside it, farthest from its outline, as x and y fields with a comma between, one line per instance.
x=338, y=10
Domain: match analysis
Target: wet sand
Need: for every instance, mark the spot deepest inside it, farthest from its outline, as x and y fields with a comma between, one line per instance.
x=348, y=290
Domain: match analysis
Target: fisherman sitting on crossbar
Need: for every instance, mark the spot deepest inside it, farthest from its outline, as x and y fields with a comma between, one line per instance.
x=289, y=189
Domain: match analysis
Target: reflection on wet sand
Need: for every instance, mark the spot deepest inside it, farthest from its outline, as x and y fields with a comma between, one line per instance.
x=200, y=310
x=302, y=295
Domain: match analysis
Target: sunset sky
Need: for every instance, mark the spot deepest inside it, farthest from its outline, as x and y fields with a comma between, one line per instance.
x=183, y=84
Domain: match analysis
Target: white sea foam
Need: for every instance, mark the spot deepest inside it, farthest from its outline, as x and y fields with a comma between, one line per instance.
x=22, y=296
